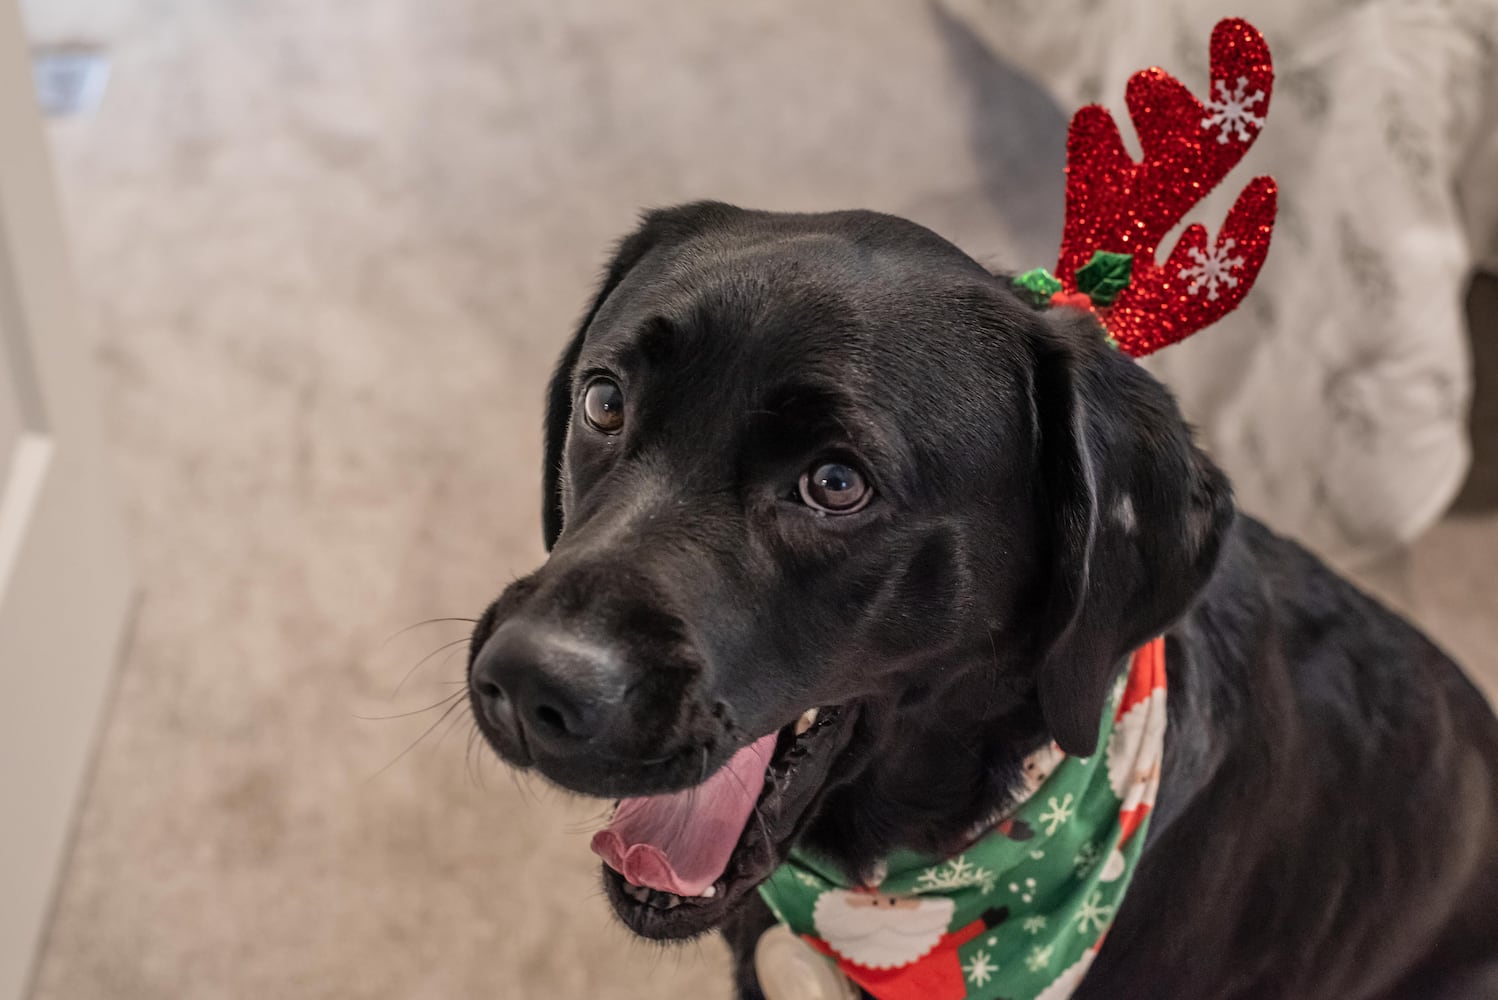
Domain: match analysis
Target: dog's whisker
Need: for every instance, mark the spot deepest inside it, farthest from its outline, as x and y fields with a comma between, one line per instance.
x=424, y=659
x=542, y=793
x=430, y=621
x=468, y=765
x=515, y=780
x=844, y=427
x=764, y=827
x=468, y=756
x=655, y=962
x=443, y=667
x=442, y=718
x=590, y=825
x=474, y=761
x=658, y=760
x=521, y=780
x=456, y=722
x=479, y=758
x=993, y=677
x=406, y=715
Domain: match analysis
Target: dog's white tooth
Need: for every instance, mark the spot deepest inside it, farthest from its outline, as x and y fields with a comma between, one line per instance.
x=807, y=720
x=709, y=892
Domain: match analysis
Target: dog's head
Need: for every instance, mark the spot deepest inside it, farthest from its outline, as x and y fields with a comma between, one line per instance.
x=806, y=477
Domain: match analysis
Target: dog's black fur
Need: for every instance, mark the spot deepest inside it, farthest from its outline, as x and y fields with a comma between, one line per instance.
x=1327, y=821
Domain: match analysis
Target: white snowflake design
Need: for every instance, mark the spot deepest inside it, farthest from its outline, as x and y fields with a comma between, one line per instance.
x=1034, y=925
x=1039, y=958
x=1058, y=813
x=1086, y=859
x=958, y=873
x=1025, y=892
x=1212, y=268
x=810, y=881
x=980, y=968
x=1093, y=914
x=1230, y=111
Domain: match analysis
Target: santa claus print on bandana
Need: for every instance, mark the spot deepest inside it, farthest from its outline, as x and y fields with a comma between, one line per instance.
x=903, y=944
x=879, y=931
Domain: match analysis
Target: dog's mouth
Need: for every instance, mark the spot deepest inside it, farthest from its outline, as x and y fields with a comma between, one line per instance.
x=674, y=865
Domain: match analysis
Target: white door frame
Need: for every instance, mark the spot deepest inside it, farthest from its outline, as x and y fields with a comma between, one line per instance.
x=65, y=593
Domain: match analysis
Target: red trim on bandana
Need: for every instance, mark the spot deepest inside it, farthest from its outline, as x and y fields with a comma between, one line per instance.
x=1146, y=677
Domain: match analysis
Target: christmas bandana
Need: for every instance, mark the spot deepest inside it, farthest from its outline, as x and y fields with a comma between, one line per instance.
x=1021, y=913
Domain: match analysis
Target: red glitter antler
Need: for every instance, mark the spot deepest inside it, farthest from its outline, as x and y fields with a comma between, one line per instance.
x=1118, y=211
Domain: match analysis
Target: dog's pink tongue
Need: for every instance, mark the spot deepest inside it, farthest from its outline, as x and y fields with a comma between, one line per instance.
x=681, y=842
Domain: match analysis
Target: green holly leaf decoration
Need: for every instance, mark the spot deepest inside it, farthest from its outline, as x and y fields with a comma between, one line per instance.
x=1104, y=276
x=1040, y=284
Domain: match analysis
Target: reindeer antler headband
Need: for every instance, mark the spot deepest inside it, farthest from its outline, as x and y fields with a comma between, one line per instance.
x=1118, y=211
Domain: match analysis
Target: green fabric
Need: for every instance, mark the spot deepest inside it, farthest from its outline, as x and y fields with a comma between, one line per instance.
x=1104, y=276
x=1040, y=284
x=1026, y=913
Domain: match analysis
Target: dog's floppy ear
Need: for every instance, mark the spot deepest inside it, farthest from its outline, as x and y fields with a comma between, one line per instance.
x=1134, y=515
x=658, y=228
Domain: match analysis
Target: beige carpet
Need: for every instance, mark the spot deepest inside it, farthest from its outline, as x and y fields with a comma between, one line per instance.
x=329, y=251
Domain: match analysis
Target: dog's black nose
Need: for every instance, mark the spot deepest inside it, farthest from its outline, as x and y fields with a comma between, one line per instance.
x=555, y=688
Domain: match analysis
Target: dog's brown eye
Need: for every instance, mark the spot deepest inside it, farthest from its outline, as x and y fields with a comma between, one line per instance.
x=603, y=405
x=835, y=488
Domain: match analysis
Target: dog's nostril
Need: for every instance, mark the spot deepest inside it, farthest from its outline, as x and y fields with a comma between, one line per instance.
x=552, y=719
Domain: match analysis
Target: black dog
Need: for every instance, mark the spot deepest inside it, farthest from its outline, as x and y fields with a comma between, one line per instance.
x=829, y=461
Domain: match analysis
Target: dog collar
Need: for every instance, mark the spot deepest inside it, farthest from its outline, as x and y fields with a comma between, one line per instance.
x=1021, y=912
